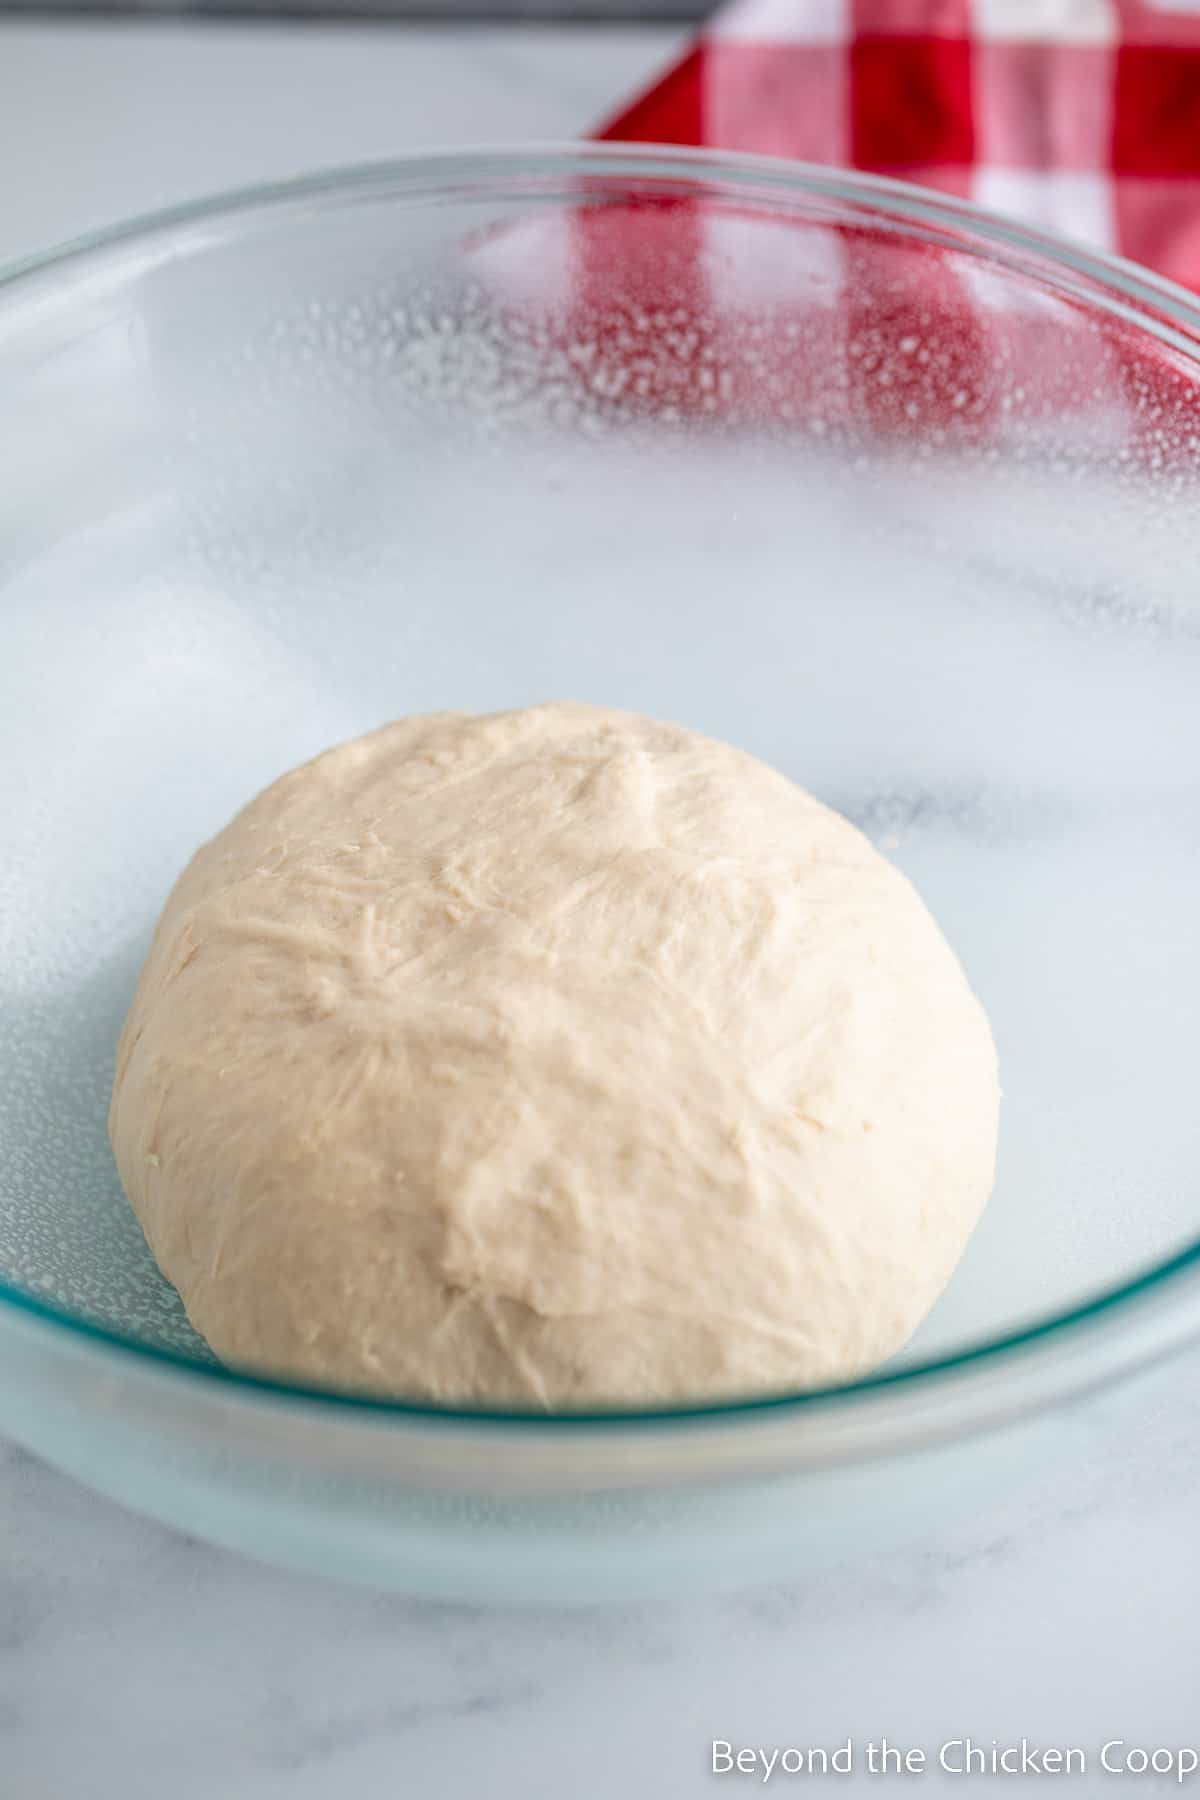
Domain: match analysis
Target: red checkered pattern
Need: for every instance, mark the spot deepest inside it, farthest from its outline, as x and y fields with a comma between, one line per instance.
x=1079, y=116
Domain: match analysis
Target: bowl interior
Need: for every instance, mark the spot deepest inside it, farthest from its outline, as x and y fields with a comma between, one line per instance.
x=909, y=513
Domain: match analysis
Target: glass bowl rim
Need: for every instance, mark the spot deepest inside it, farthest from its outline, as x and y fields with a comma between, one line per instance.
x=1151, y=302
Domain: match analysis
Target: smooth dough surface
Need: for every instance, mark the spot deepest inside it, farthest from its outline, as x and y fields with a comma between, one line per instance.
x=552, y=1057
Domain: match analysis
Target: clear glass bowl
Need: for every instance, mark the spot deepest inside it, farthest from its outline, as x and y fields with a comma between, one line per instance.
x=900, y=497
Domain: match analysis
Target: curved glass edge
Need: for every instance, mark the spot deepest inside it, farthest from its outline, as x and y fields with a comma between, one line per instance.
x=485, y=164
x=484, y=167
x=978, y=1356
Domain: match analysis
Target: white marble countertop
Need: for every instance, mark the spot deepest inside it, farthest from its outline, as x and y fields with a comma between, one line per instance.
x=136, y=1663
x=102, y=120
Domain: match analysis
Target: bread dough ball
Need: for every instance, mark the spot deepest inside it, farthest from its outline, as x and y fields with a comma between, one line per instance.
x=556, y=1058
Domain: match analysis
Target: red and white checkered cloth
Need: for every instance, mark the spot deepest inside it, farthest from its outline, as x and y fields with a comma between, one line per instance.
x=1079, y=116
